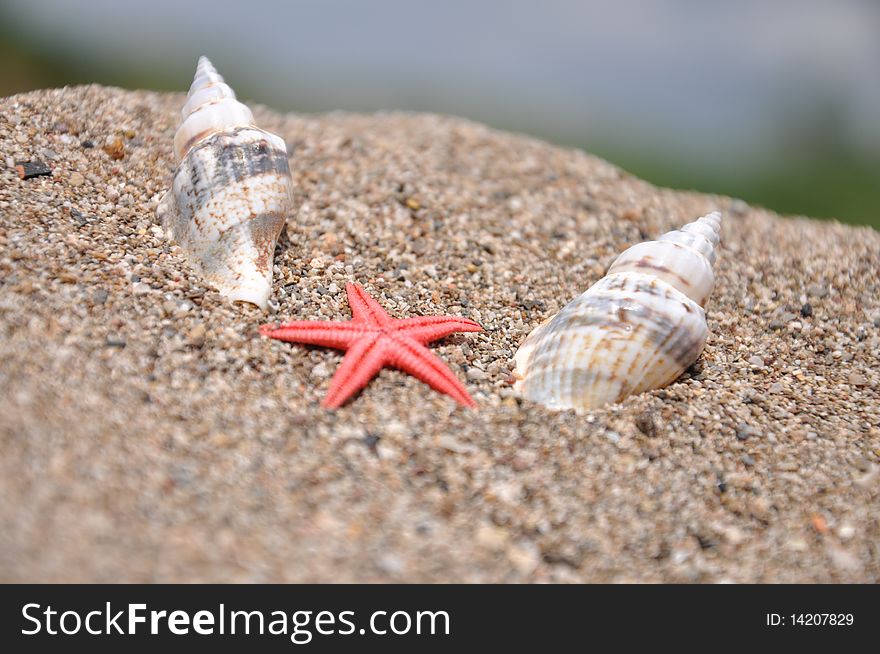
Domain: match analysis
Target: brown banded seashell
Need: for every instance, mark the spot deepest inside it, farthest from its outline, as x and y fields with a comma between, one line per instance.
x=231, y=192
x=636, y=329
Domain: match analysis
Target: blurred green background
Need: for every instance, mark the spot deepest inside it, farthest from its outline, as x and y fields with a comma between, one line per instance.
x=777, y=103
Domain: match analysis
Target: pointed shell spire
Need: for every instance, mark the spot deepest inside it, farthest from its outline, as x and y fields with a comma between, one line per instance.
x=636, y=329
x=231, y=192
x=682, y=258
x=210, y=107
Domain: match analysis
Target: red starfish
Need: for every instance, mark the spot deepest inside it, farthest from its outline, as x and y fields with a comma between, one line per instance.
x=373, y=340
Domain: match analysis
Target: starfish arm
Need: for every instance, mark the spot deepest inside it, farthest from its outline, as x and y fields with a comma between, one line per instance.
x=414, y=358
x=365, y=309
x=363, y=360
x=426, y=329
x=338, y=335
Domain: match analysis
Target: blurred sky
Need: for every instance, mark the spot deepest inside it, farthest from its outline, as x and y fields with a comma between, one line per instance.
x=722, y=96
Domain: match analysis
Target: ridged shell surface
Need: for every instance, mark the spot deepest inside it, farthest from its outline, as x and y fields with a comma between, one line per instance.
x=231, y=192
x=636, y=329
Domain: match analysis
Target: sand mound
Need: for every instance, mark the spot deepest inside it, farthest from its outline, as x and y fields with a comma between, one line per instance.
x=149, y=434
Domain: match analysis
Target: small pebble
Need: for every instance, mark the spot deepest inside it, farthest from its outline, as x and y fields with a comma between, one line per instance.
x=321, y=371
x=115, y=148
x=490, y=536
x=31, y=169
x=454, y=445
x=843, y=560
x=868, y=479
x=183, y=308
x=76, y=179
x=756, y=361
x=817, y=290
x=846, y=531
x=738, y=207
x=523, y=461
x=645, y=423
x=196, y=335
x=744, y=431
x=857, y=379
x=475, y=374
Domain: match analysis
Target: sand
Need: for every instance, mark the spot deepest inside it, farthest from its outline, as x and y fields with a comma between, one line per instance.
x=149, y=434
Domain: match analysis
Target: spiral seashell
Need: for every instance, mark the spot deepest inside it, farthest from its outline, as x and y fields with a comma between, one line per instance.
x=636, y=329
x=231, y=192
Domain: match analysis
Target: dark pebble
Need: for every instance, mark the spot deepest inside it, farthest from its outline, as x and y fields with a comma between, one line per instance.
x=100, y=296
x=87, y=144
x=645, y=424
x=115, y=342
x=706, y=542
x=30, y=169
x=744, y=431
x=78, y=217
x=807, y=310
x=371, y=440
x=182, y=475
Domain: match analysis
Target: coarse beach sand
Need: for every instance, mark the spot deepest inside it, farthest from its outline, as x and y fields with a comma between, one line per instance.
x=149, y=434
